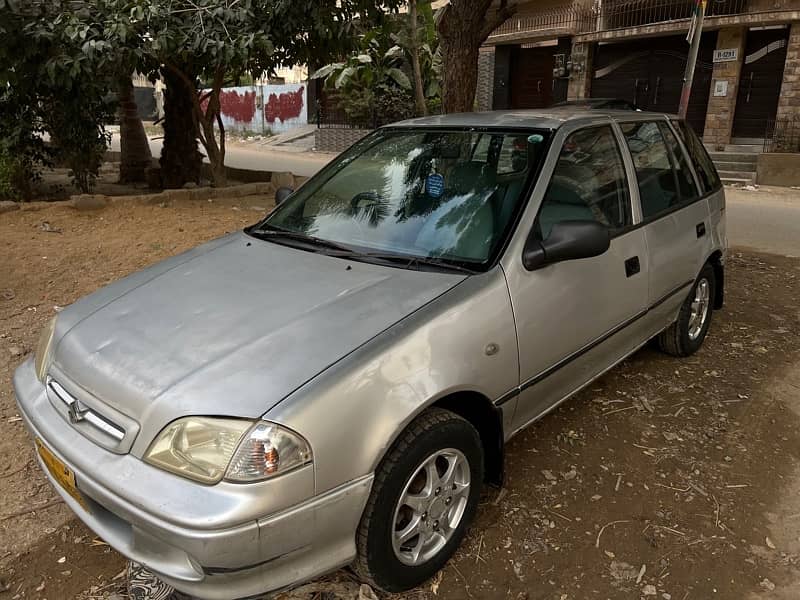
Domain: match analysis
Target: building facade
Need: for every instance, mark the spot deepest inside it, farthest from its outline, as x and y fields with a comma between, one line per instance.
x=747, y=77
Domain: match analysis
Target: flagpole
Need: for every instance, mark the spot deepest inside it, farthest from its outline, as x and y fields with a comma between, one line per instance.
x=695, y=32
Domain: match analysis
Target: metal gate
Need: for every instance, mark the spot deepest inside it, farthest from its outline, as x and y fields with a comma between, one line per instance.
x=532, y=77
x=760, y=82
x=649, y=73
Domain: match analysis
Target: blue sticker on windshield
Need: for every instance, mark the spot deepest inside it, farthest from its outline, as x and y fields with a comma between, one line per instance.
x=535, y=139
x=434, y=185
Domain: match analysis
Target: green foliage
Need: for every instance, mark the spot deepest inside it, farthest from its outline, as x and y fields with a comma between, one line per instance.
x=76, y=129
x=375, y=64
x=373, y=85
x=394, y=104
x=427, y=45
x=8, y=177
x=51, y=83
x=219, y=41
x=60, y=59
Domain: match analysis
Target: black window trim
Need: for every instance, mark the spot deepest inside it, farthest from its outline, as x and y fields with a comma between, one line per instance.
x=693, y=169
x=673, y=123
x=614, y=232
x=667, y=212
x=673, y=159
x=673, y=162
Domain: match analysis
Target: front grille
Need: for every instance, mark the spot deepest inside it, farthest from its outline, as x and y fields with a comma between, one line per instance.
x=94, y=419
x=78, y=412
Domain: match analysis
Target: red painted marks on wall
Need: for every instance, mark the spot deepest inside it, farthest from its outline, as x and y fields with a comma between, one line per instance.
x=285, y=106
x=239, y=107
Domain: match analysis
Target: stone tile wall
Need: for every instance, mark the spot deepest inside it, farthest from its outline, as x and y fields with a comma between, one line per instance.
x=719, y=118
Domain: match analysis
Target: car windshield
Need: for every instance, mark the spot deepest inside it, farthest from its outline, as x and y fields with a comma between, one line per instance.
x=424, y=194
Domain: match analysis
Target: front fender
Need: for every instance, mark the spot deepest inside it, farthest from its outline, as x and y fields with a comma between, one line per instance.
x=352, y=412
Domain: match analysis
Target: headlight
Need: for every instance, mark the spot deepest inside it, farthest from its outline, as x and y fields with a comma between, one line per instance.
x=41, y=359
x=208, y=449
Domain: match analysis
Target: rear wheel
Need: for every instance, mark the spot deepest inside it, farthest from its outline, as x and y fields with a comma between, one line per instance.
x=685, y=336
x=424, y=497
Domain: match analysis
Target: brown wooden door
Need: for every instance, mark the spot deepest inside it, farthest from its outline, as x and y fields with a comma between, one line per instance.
x=760, y=82
x=649, y=73
x=532, y=77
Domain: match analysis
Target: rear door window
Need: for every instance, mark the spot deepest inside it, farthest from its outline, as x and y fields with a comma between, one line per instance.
x=588, y=183
x=686, y=184
x=703, y=165
x=659, y=191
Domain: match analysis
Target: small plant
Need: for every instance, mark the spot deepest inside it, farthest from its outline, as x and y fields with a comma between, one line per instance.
x=375, y=71
x=16, y=176
x=7, y=167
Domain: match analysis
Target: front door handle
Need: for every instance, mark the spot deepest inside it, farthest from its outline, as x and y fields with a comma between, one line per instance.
x=701, y=229
x=632, y=266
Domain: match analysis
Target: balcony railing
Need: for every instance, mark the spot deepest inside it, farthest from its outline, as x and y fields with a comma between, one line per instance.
x=619, y=14
x=567, y=20
x=608, y=15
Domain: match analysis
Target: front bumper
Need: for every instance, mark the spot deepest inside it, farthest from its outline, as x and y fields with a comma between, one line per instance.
x=217, y=542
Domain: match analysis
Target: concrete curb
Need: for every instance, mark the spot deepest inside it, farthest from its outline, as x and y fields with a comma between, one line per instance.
x=99, y=201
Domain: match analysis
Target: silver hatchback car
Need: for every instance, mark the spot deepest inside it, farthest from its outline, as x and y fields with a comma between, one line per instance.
x=333, y=385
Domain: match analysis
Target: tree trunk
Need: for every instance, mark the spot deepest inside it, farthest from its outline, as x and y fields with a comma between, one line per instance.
x=180, y=160
x=218, y=174
x=135, y=148
x=419, y=92
x=208, y=117
x=463, y=27
x=460, y=74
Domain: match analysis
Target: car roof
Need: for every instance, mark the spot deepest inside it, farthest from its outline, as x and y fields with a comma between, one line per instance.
x=545, y=118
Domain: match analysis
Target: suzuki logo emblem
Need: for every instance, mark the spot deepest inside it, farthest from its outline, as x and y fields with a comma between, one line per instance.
x=76, y=412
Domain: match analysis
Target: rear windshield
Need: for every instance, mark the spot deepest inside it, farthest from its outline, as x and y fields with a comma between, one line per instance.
x=703, y=165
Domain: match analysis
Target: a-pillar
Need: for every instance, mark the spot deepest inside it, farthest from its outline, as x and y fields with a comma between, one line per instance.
x=724, y=86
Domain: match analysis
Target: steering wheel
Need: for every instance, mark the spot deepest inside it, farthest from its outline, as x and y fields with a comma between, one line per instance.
x=364, y=199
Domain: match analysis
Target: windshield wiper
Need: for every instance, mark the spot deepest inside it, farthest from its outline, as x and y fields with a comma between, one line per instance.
x=343, y=251
x=276, y=232
x=407, y=261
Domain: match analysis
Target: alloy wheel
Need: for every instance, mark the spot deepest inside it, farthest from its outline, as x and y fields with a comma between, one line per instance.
x=431, y=506
x=700, y=306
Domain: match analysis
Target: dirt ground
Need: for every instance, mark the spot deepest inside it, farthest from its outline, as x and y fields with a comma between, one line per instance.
x=666, y=479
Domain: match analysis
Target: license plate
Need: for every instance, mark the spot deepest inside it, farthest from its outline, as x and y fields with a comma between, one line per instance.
x=60, y=472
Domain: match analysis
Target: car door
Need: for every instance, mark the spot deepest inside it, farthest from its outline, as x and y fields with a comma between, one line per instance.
x=576, y=318
x=674, y=216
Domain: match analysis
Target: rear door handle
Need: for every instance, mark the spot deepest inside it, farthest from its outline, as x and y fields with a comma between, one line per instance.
x=701, y=229
x=632, y=266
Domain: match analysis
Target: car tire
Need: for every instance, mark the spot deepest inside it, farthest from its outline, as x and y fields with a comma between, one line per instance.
x=685, y=336
x=441, y=442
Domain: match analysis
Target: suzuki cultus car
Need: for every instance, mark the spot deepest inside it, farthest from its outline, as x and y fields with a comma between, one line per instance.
x=334, y=385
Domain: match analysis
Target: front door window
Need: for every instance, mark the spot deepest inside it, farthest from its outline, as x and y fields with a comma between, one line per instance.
x=588, y=183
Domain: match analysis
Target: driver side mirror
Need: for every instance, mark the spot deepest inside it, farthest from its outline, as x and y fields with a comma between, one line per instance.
x=568, y=240
x=282, y=193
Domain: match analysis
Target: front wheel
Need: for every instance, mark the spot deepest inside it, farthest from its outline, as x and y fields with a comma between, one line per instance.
x=424, y=497
x=685, y=336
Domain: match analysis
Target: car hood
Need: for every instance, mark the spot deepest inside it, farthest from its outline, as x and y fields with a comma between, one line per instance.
x=229, y=328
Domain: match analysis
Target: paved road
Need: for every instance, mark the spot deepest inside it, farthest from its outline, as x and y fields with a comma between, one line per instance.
x=767, y=220
x=259, y=158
